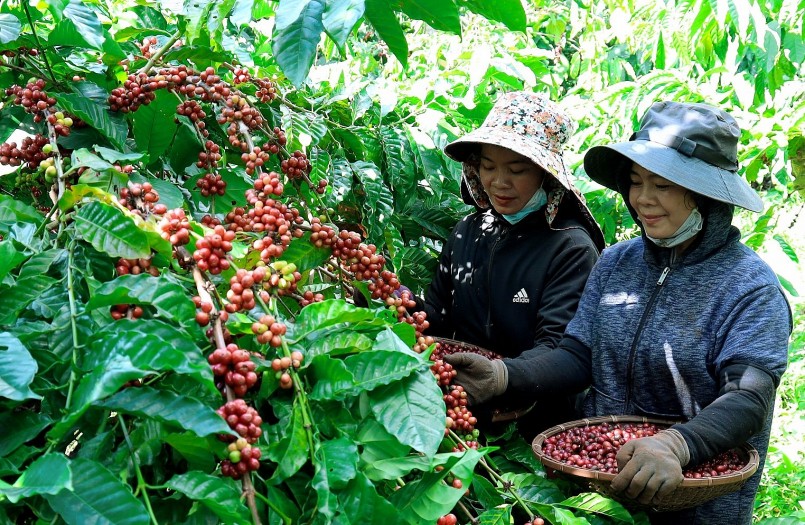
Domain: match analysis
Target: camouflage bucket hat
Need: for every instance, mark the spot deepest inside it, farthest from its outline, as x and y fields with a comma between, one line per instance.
x=526, y=123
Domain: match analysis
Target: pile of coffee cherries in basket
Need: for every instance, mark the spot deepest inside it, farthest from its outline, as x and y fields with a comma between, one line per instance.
x=594, y=447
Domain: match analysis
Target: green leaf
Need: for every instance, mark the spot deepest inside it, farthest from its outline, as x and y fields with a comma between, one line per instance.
x=336, y=463
x=378, y=203
x=111, y=232
x=13, y=300
x=169, y=194
x=290, y=453
x=10, y=28
x=486, y=493
x=412, y=410
x=221, y=496
x=198, y=452
x=295, y=45
x=17, y=369
x=496, y=516
x=49, y=474
x=86, y=23
x=787, y=248
x=96, y=114
x=598, y=504
x=509, y=12
x=317, y=316
x=360, y=503
x=168, y=407
x=10, y=258
x=347, y=342
x=788, y=285
x=377, y=368
x=304, y=254
x=439, y=14
x=12, y=210
x=84, y=157
x=340, y=17
x=384, y=20
x=429, y=497
x=19, y=427
x=154, y=125
x=331, y=378
x=536, y=489
x=167, y=296
x=97, y=496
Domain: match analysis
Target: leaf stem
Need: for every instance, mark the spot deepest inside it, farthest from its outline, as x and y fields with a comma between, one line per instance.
x=141, y=485
x=159, y=52
x=73, y=326
x=38, y=42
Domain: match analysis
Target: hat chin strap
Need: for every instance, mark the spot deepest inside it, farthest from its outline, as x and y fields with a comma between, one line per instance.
x=687, y=147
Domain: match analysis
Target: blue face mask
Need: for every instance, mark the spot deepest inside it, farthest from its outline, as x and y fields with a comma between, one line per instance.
x=537, y=201
x=688, y=229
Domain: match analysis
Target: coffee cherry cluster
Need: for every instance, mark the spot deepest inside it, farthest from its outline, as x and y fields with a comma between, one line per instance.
x=281, y=366
x=205, y=311
x=235, y=367
x=211, y=250
x=31, y=152
x=266, y=90
x=321, y=234
x=284, y=276
x=32, y=97
x=308, y=297
x=209, y=156
x=241, y=75
x=269, y=331
x=240, y=294
x=241, y=459
x=136, y=267
x=296, y=166
x=137, y=90
x=595, y=447
x=243, y=419
x=211, y=184
x=61, y=123
x=146, y=45
x=279, y=141
x=210, y=221
x=175, y=227
x=141, y=199
x=193, y=110
x=535, y=521
x=459, y=418
x=447, y=519
x=119, y=311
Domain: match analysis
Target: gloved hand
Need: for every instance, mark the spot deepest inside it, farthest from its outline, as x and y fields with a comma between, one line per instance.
x=651, y=467
x=481, y=378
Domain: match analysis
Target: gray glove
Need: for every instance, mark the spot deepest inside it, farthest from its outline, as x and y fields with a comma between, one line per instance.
x=651, y=467
x=481, y=378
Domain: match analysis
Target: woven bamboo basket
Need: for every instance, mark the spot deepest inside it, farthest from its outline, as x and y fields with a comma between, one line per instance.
x=690, y=493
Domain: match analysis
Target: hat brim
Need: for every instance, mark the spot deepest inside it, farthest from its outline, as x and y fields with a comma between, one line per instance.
x=549, y=160
x=602, y=162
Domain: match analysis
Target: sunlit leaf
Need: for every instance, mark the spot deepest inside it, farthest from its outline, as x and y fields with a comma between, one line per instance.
x=10, y=28
x=383, y=19
x=295, y=44
x=340, y=17
x=111, y=232
x=48, y=474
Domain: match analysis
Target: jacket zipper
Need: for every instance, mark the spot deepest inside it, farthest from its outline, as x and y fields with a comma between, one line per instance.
x=489, y=273
x=633, y=349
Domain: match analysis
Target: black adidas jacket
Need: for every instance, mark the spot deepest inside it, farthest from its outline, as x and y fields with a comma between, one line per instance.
x=511, y=289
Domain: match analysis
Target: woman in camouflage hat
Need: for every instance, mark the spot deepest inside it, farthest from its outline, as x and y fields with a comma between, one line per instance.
x=512, y=272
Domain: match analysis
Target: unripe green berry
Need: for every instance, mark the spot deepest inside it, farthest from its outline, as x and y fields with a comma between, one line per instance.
x=234, y=456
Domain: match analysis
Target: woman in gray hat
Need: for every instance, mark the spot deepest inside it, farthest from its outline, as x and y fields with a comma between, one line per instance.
x=682, y=323
x=511, y=274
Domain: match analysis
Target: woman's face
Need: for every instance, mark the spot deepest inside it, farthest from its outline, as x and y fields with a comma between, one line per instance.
x=509, y=179
x=661, y=205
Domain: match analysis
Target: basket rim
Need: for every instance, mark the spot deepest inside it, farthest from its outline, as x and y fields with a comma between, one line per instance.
x=745, y=448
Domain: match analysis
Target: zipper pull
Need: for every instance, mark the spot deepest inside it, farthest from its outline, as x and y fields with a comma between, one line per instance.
x=663, y=275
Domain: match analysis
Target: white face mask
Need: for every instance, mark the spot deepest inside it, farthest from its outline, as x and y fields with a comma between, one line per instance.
x=537, y=201
x=688, y=230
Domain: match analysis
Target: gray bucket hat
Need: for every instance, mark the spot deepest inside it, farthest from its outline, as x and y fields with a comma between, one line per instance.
x=690, y=144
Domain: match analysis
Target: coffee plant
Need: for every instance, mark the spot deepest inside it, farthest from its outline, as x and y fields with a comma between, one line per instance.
x=202, y=247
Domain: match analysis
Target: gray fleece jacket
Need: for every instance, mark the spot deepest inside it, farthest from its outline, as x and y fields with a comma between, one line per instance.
x=676, y=339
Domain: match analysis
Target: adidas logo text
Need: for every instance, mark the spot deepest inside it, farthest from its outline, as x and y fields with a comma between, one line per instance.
x=521, y=297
